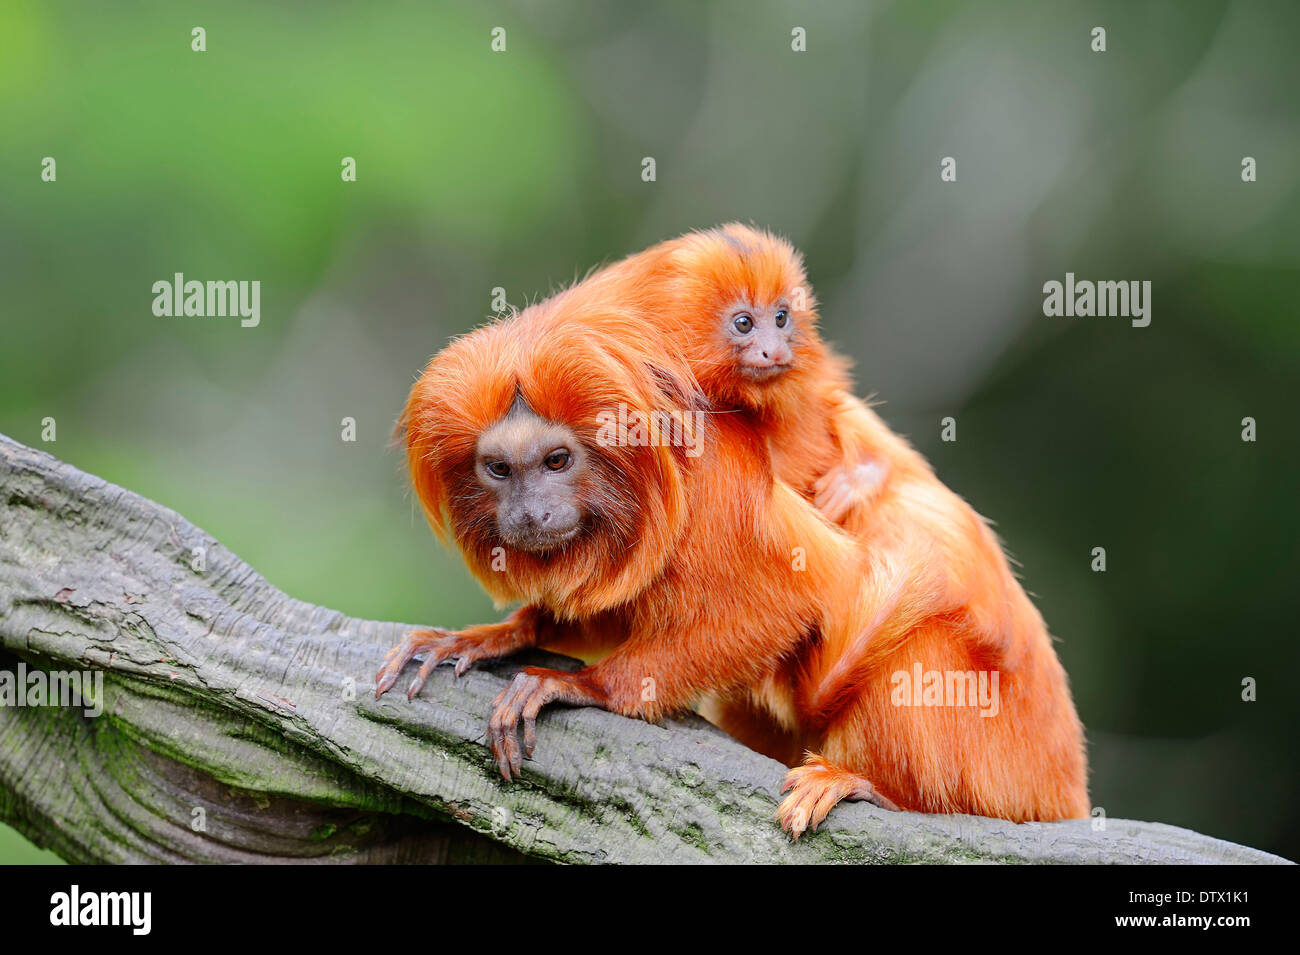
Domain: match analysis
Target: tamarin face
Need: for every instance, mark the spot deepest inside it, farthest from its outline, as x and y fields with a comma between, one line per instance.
x=747, y=321
x=506, y=442
x=534, y=471
x=760, y=338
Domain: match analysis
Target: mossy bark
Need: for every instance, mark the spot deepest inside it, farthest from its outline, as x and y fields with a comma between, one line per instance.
x=240, y=724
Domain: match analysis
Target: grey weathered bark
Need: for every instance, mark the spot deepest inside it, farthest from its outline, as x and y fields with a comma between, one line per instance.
x=239, y=724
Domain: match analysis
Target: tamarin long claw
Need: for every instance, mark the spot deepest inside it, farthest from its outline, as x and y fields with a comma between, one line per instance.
x=523, y=698
x=413, y=644
x=384, y=683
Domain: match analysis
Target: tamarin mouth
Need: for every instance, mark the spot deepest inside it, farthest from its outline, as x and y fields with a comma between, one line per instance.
x=764, y=372
x=542, y=543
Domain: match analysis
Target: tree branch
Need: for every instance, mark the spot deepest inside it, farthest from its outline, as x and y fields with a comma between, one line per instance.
x=239, y=724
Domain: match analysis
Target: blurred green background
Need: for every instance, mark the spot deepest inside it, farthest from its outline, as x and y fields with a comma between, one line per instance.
x=522, y=169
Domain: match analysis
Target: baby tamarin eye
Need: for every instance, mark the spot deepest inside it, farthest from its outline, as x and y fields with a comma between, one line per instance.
x=558, y=459
x=743, y=323
x=782, y=317
x=498, y=469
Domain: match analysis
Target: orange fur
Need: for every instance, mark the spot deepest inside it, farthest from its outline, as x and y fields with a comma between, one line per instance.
x=937, y=589
x=637, y=491
x=686, y=567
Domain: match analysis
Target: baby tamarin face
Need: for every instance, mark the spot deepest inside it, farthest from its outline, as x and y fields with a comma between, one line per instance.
x=534, y=470
x=744, y=315
x=759, y=336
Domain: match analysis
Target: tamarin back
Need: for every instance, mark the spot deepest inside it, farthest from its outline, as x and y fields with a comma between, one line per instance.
x=936, y=589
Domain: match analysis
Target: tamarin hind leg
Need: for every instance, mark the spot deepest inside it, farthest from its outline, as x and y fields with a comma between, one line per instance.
x=942, y=727
x=816, y=787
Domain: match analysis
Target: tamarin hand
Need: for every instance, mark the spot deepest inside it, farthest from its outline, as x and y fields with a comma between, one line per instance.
x=530, y=690
x=488, y=641
x=439, y=644
x=842, y=488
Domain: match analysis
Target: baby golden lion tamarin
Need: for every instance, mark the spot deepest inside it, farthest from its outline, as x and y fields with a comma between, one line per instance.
x=940, y=605
x=684, y=565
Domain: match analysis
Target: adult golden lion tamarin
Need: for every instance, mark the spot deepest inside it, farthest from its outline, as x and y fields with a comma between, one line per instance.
x=670, y=543
x=880, y=681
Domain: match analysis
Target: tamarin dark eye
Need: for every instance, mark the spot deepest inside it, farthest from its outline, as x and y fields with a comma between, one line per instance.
x=744, y=324
x=499, y=469
x=781, y=318
x=557, y=460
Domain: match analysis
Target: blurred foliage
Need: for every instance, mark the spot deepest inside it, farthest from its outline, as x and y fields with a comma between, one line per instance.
x=522, y=169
